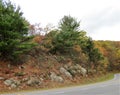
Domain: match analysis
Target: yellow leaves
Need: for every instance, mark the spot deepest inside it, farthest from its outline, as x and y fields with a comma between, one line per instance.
x=118, y=53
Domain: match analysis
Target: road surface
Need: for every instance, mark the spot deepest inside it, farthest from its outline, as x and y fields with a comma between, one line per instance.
x=111, y=87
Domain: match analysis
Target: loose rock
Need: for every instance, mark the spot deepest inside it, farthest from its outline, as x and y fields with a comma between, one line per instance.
x=65, y=72
x=2, y=78
x=12, y=83
x=56, y=78
x=33, y=82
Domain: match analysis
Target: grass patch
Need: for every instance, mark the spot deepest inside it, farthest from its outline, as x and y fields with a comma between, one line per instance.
x=99, y=78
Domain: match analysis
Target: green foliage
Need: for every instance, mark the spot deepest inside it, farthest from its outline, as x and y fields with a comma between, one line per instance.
x=13, y=31
x=68, y=38
x=49, y=38
x=69, y=24
x=68, y=35
x=93, y=53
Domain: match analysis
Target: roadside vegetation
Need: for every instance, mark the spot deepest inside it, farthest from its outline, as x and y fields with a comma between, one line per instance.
x=36, y=57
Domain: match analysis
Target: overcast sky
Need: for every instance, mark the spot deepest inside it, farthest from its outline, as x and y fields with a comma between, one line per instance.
x=99, y=18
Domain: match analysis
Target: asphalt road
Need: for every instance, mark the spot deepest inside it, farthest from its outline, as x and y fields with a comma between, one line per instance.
x=111, y=87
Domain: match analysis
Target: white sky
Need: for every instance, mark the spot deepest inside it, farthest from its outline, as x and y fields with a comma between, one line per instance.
x=99, y=18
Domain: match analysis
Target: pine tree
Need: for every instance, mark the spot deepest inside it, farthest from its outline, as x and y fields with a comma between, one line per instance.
x=13, y=31
x=69, y=34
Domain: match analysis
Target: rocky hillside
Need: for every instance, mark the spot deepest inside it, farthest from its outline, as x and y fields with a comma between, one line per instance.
x=40, y=71
x=64, y=55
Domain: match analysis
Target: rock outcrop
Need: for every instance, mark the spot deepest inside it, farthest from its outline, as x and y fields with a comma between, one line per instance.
x=65, y=72
x=74, y=69
x=12, y=83
x=33, y=82
x=56, y=78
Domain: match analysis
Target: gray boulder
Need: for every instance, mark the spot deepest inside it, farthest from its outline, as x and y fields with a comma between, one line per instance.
x=33, y=82
x=68, y=74
x=8, y=82
x=56, y=78
x=83, y=71
x=66, y=67
x=73, y=72
x=59, y=79
x=25, y=79
x=62, y=70
x=76, y=69
x=2, y=78
x=52, y=76
x=13, y=86
x=65, y=72
x=79, y=71
x=12, y=83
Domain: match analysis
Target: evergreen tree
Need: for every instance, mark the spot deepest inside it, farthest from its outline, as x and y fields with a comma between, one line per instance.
x=13, y=31
x=94, y=55
x=68, y=35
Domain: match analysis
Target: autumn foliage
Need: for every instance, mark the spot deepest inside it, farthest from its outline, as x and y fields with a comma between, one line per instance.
x=111, y=51
x=67, y=41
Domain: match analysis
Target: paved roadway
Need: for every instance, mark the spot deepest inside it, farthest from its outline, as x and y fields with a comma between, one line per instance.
x=111, y=87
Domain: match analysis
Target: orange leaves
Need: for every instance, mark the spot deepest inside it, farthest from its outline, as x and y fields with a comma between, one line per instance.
x=38, y=39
